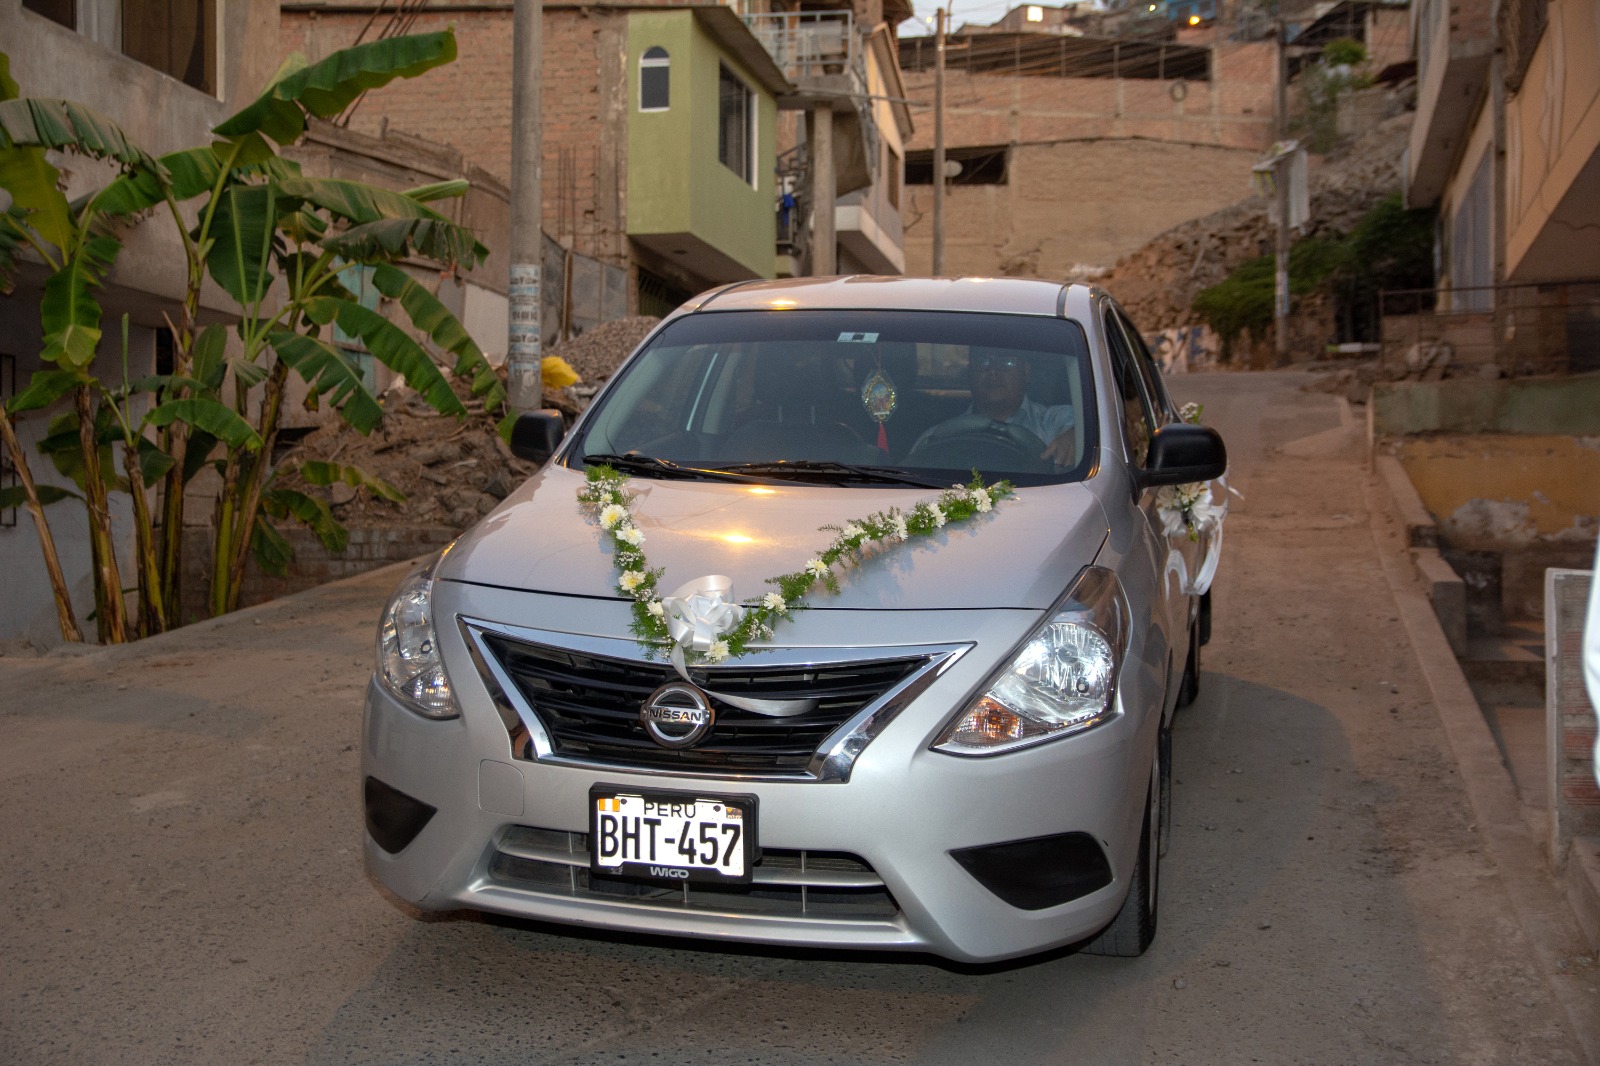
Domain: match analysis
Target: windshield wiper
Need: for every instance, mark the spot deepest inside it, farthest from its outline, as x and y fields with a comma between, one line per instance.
x=808, y=469
x=650, y=465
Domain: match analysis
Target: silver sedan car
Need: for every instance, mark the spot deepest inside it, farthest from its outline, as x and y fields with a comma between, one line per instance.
x=850, y=614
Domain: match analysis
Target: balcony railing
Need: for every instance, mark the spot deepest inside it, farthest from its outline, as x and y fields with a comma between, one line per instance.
x=808, y=44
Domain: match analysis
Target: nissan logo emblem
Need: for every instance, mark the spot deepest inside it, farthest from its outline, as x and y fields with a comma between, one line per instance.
x=677, y=715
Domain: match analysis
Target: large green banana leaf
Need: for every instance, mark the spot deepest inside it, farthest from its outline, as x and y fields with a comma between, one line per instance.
x=443, y=328
x=32, y=183
x=356, y=201
x=329, y=374
x=10, y=242
x=311, y=512
x=395, y=349
x=48, y=494
x=30, y=122
x=46, y=387
x=9, y=90
x=439, y=190
x=70, y=314
x=217, y=419
x=273, y=553
x=317, y=472
x=242, y=229
x=395, y=238
x=327, y=87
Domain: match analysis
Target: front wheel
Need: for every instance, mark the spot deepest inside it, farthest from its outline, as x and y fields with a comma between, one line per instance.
x=1132, y=930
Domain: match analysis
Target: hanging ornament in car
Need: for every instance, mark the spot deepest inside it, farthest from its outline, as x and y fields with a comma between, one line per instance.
x=879, y=398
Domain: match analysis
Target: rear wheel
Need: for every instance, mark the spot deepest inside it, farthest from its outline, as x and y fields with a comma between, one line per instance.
x=1134, y=927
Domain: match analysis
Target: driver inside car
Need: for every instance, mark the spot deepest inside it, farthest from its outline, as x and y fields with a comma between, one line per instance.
x=999, y=382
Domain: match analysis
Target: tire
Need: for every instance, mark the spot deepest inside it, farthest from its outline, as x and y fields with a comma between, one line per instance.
x=1189, y=687
x=1130, y=933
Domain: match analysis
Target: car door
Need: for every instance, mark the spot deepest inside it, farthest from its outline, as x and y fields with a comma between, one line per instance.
x=1186, y=550
x=1143, y=412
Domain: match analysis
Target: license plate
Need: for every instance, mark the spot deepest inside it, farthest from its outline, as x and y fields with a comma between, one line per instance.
x=672, y=836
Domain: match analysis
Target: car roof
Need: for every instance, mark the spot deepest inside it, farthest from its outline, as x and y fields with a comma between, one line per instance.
x=1017, y=296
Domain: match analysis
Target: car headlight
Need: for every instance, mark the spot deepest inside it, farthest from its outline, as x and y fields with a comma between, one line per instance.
x=1061, y=682
x=409, y=663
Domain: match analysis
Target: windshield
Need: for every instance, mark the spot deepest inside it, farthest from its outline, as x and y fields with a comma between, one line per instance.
x=852, y=397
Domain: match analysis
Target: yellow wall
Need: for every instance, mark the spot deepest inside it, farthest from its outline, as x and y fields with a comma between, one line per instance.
x=1534, y=487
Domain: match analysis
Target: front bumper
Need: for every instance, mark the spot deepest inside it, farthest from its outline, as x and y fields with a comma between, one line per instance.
x=507, y=834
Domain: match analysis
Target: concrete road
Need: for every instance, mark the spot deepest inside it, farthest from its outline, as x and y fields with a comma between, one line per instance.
x=180, y=878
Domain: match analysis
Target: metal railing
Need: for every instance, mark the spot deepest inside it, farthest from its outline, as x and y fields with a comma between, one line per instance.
x=1520, y=328
x=807, y=44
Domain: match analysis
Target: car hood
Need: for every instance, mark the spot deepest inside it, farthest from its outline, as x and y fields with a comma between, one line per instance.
x=1021, y=555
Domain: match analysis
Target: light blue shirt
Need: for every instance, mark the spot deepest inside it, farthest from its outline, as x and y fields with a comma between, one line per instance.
x=1046, y=423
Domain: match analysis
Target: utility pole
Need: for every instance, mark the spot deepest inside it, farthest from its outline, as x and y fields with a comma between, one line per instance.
x=524, y=357
x=824, y=193
x=1280, y=185
x=938, y=145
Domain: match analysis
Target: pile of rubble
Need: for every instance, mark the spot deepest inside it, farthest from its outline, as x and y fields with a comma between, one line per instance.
x=1158, y=283
x=451, y=471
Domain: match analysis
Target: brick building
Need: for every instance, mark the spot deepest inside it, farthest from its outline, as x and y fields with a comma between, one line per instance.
x=617, y=184
x=1075, y=150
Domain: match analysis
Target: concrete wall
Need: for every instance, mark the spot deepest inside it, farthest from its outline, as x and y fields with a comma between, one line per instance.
x=313, y=564
x=1507, y=507
x=1574, y=796
x=1565, y=405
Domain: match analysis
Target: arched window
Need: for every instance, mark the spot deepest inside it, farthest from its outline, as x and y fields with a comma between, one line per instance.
x=654, y=79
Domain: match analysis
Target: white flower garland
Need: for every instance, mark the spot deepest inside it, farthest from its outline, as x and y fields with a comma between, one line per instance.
x=605, y=493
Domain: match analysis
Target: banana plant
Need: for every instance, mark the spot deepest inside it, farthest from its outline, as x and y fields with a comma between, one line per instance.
x=274, y=240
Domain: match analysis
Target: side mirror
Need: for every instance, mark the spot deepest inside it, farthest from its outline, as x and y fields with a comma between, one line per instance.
x=535, y=434
x=1181, y=453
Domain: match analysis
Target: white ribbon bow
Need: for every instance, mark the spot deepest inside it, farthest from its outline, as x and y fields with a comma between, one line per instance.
x=703, y=611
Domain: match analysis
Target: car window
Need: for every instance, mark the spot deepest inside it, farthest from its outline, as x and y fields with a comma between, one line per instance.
x=1148, y=370
x=1138, y=412
x=935, y=393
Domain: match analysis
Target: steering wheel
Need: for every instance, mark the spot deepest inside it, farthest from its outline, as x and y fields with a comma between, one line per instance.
x=967, y=439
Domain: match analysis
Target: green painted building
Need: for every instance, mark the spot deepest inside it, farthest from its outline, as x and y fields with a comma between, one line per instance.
x=702, y=117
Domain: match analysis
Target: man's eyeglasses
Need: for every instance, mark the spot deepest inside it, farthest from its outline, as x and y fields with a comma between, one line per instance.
x=996, y=362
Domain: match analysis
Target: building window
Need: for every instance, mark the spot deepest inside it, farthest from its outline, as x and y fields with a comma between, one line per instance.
x=977, y=166
x=1035, y=14
x=177, y=37
x=655, y=76
x=892, y=178
x=64, y=12
x=1472, y=245
x=736, y=122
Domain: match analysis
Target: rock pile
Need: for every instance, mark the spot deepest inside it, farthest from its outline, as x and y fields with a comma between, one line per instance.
x=1158, y=283
x=452, y=471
